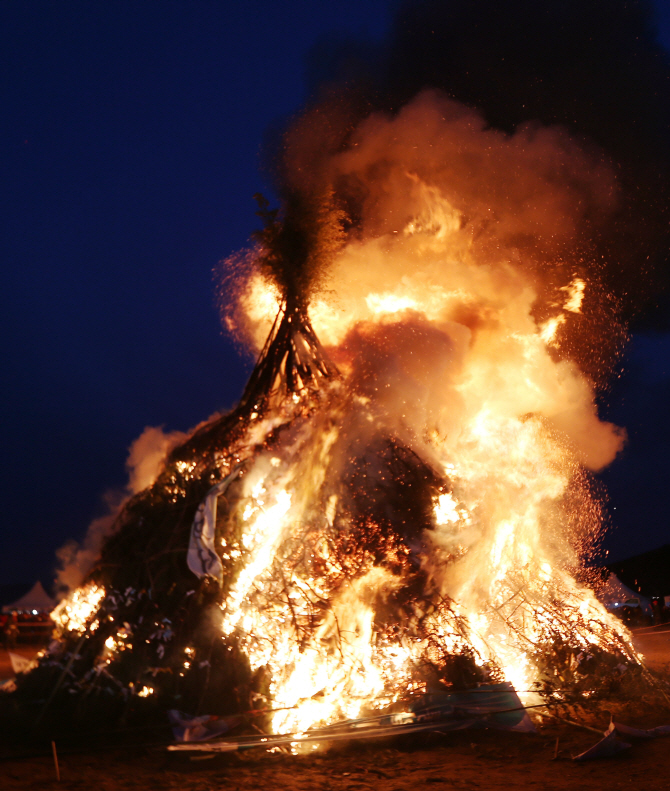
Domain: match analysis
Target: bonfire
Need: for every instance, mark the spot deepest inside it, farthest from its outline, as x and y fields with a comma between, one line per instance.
x=403, y=502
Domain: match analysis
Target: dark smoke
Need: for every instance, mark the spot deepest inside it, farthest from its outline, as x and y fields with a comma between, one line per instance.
x=593, y=67
x=298, y=244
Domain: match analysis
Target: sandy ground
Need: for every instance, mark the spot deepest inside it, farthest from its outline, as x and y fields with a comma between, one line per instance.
x=467, y=760
x=484, y=760
x=654, y=644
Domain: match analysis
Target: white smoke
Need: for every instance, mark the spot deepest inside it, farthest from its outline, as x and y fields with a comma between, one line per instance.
x=144, y=464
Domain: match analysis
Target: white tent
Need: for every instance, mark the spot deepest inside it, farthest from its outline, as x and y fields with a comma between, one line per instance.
x=36, y=599
x=614, y=595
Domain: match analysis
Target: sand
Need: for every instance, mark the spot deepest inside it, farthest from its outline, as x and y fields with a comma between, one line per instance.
x=471, y=760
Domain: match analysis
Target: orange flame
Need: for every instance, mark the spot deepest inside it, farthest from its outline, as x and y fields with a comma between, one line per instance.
x=430, y=314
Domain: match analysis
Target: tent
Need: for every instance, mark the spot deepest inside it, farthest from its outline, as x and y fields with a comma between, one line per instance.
x=36, y=599
x=648, y=572
x=617, y=596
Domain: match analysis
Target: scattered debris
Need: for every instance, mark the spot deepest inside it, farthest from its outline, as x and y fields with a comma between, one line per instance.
x=611, y=745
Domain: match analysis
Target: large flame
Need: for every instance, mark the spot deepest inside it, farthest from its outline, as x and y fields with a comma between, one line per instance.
x=431, y=313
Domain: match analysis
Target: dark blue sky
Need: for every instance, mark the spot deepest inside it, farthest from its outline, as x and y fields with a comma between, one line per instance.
x=130, y=137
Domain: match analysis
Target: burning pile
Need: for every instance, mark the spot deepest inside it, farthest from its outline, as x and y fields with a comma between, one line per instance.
x=408, y=507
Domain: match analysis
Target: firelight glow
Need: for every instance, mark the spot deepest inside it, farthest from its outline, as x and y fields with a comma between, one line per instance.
x=433, y=324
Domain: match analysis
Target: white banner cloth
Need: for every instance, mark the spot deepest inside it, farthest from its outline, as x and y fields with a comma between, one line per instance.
x=202, y=558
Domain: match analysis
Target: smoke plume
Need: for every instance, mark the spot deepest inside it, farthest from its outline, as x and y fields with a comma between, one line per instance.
x=589, y=75
x=144, y=463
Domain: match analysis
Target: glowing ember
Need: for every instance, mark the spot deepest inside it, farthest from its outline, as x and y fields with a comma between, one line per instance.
x=575, y=293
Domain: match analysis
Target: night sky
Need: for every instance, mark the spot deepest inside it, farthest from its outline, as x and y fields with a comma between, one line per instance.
x=131, y=136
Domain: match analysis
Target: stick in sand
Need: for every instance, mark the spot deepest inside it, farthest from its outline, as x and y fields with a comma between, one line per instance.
x=55, y=754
